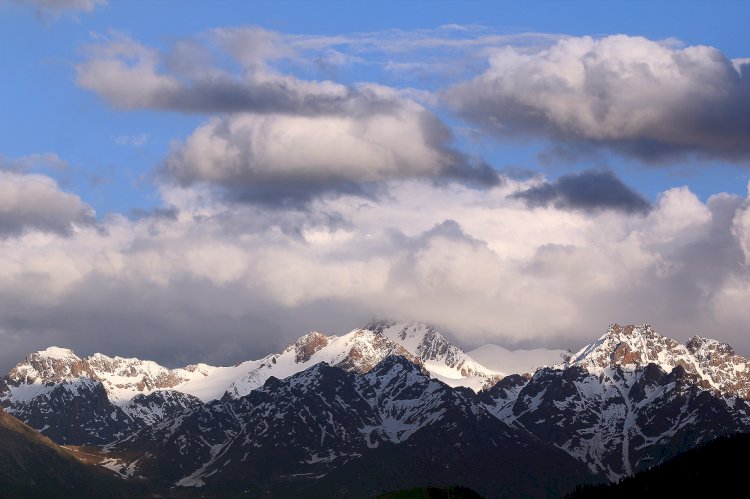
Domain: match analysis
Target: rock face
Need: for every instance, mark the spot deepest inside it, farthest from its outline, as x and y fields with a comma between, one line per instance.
x=730, y=373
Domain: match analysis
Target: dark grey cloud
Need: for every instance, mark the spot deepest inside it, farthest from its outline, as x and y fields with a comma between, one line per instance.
x=589, y=190
x=222, y=325
x=630, y=95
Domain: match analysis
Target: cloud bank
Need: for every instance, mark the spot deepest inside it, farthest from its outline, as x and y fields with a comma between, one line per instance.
x=219, y=282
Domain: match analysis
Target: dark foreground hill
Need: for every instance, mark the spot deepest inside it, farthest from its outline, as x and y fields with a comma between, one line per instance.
x=715, y=469
x=33, y=466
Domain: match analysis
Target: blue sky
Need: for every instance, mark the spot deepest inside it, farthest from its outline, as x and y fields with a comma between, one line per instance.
x=50, y=113
x=205, y=181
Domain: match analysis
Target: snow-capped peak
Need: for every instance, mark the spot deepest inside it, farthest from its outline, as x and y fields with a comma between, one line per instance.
x=57, y=353
x=443, y=360
x=52, y=365
x=635, y=346
x=122, y=378
x=358, y=351
x=630, y=345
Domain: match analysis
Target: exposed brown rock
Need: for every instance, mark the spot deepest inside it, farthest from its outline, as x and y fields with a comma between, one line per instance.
x=308, y=345
x=623, y=355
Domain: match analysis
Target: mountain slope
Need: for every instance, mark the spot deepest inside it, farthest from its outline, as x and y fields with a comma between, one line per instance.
x=621, y=421
x=33, y=466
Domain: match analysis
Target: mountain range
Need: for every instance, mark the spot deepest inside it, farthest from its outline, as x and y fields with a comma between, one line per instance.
x=389, y=406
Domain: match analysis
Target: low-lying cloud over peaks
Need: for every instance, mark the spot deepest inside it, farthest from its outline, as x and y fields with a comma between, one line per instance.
x=638, y=97
x=475, y=262
x=589, y=190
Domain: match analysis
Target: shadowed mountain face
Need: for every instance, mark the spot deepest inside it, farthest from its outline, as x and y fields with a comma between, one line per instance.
x=33, y=466
x=353, y=436
x=379, y=421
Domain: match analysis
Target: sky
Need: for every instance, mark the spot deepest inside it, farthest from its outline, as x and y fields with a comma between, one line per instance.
x=188, y=183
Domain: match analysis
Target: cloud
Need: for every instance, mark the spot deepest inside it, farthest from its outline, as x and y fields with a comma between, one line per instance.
x=36, y=203
x=129, y=75
x=33, y=161
x=477, y=263
x=238, y=69
x=279, y=139
x=55, y=8
x=588, y=190
x=282, y=157
x=132, y=140
x=641, y=98
x=362, y=207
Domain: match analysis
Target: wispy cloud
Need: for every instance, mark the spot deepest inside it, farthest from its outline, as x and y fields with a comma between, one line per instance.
x=33, y=161
x=132, y=140
x=51, y=10
x=477, y=262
